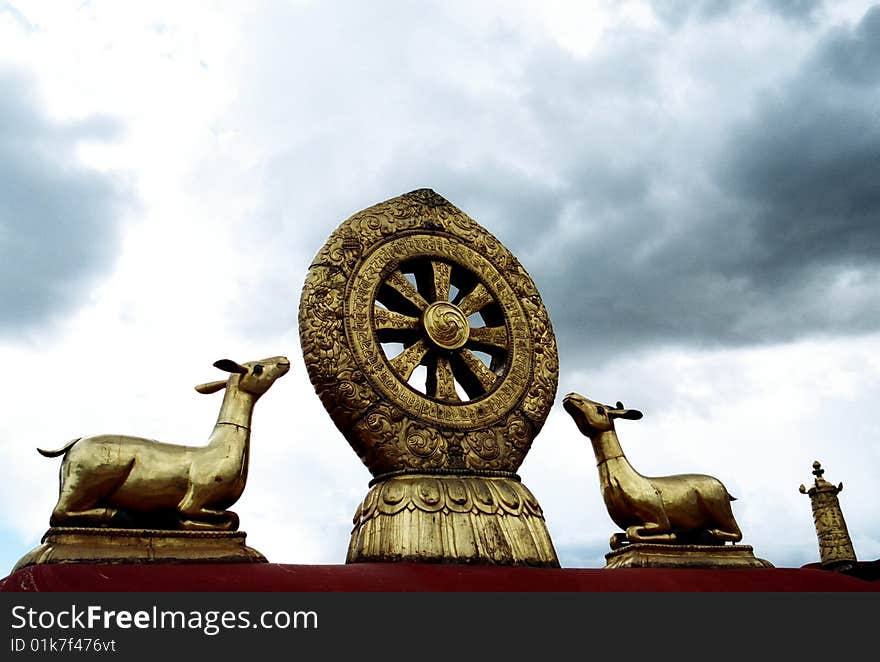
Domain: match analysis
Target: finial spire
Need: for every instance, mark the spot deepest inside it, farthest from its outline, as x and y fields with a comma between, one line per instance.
x=835, y=547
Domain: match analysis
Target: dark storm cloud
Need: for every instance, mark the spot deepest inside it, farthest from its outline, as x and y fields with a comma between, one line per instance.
x=779, y=239
x=675, y=12
x=58, y=220
x=806, y=169
x=643, y=222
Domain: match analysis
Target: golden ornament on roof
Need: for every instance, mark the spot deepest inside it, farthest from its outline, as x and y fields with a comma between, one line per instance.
x=431, y=350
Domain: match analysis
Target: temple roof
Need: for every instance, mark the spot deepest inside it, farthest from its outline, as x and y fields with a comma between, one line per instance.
x=389, y=577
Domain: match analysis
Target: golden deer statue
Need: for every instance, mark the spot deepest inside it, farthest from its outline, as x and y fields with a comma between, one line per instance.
x=686, y=508
x=129, y=481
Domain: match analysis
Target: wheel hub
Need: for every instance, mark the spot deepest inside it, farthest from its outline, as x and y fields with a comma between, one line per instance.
x=446, y=326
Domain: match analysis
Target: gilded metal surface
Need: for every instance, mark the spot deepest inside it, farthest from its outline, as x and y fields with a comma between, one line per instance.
x=110, y=545
x=447, y=326
x=452, y=519
x=133, y=482
x=682, y=509
x=427, y=343
x=835, y=546
x=654, y=555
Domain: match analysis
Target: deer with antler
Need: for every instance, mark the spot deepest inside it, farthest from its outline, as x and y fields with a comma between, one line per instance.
x=120, y=480
x=686, y=508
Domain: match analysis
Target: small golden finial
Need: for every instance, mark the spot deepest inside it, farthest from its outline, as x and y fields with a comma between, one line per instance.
x=835, y=547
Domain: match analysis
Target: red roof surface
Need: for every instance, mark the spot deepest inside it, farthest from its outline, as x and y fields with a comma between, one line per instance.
x=200, y=577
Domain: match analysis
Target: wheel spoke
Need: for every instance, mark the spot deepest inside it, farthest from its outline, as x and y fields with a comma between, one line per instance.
x=441, y=272
x=492, y=338
x=388, y=319
x=401, y=285
x=485, y=377
x=477, y=299
x=441, y=383
x=409, y=359
x=399, y=320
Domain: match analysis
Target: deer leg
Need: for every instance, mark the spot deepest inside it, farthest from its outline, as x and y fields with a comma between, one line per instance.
x=735, y=535
x=726, y=528
x=650, y=532
x=210, y=520
x=195, y=515
x=80, y=494
x=657, y=531
x=655, y=525
x=75, y=509
x=89, y=516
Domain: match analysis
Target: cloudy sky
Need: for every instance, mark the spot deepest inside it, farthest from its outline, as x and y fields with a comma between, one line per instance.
x=693, y=186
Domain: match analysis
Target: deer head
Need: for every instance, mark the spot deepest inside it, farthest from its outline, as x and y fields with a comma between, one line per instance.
x=593, y=418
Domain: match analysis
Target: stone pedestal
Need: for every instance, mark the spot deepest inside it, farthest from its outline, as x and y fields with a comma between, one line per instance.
x=105, y=545
x=645, y=555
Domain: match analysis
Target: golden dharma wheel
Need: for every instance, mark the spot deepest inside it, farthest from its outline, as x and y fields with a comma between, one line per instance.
x=431, y=350
x=426, y=340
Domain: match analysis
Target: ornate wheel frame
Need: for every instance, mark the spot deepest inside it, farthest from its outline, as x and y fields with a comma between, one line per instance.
x=418, y=273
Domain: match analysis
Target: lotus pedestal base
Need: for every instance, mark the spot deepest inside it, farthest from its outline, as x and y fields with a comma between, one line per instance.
x=462, y=519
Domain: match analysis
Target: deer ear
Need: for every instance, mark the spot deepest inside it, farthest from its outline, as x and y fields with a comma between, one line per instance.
x=211, y=387
x=631, y=414
x=230, y=366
